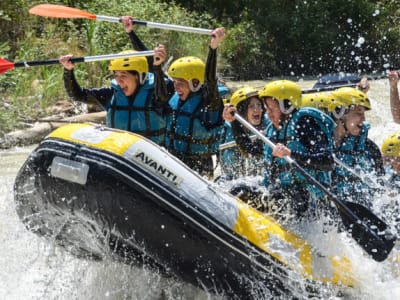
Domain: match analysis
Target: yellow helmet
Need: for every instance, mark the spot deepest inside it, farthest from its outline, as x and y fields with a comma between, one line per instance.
x=243, y=94
x=283, y=90
x=137, y=63
x=188, y=68
x=350, y=96
x=321, y=100
x=391, y=145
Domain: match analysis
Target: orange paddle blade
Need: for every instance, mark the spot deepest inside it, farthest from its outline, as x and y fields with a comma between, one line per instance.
x=60, y=11
x=5, y=65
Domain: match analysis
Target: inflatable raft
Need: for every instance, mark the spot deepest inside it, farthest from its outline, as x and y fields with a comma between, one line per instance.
x=140, y=204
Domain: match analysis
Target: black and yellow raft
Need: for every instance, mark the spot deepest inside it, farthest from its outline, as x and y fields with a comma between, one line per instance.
x=96, y=190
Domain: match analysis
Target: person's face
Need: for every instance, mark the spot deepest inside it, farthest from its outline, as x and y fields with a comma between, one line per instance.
x=254, y=111
x=273, y=111
x=353, y=120
x=182, y=88
x=127, y=81
x=394, y=162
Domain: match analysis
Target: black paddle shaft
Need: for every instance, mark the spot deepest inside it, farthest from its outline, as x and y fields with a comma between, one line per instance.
x=45, y=62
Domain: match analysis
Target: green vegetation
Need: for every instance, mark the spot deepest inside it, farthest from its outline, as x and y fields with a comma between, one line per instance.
x=264, y=39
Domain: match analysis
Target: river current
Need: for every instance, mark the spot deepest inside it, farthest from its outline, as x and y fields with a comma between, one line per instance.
x=32, y=268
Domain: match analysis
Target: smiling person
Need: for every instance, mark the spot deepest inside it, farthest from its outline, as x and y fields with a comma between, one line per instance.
x=304, y=134
x=194, y=117
x=354, y=148
x=136, y=99
x=235, y=163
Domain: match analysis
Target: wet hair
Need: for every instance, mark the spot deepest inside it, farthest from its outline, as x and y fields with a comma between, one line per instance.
x=135, y=73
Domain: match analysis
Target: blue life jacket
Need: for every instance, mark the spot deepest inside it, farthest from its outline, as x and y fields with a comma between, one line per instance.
x=392, y=179
x=187, y=132
x=234, y=163
x=353, y=153
x=279, y=170
x=137, y=114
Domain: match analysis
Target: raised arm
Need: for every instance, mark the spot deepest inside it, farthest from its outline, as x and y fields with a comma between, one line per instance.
x=76, y=92
x=136, y=42
x=214, y=101
x=394, y=96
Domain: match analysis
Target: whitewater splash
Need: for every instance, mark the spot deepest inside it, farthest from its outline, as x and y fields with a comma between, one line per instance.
x=32, y=268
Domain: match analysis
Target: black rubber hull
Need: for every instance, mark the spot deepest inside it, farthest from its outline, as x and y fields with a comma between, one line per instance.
x=134, y=215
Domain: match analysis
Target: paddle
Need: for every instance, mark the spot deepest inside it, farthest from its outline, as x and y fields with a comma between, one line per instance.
x=6, y=65
x=368, y=181
x=60, y=11
x=365, y=227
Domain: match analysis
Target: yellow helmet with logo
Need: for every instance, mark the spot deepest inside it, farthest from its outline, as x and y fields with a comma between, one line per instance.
x=391, y=145
x=135, y=63
x=350, y=96
x=243, y=94
x=283, y=91
x=188, y=68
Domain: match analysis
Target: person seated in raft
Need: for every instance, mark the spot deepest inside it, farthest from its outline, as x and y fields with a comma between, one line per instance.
x=136, y=98
x=353, y=147
x=235, y=164
x=304, y=134
x=194, y=116
x=394, y=95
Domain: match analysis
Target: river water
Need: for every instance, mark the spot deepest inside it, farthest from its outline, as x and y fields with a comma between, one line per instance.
x=31, y=268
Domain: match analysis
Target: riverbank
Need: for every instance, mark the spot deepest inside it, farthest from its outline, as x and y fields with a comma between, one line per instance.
x=41, y=128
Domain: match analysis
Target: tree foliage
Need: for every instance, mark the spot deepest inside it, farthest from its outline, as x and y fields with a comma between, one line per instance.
x=293, y=37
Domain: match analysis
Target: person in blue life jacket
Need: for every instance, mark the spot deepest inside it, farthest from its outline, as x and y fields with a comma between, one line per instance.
x=354, y=149
x=136, y=99
x=233, y=162
x=194, y=116
x=304, y=134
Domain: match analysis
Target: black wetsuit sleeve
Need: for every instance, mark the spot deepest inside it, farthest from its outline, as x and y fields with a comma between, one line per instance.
x=163, y=89
x=212, y=98
x=244, y=142
x=376, y=155
x=312, y=137
x=138, y=45
x=77, y=93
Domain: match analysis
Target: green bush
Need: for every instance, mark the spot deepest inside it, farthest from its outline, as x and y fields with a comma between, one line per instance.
x=28, y=92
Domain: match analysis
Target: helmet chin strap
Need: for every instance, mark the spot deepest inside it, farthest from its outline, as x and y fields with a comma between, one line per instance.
x=285, y=110
x=142, y=78
x=339, y=113
x=194, y=88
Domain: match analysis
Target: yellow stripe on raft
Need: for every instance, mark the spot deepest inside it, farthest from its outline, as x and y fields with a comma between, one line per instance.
x=257, y=228
x=115, y=141
x=291, y=250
